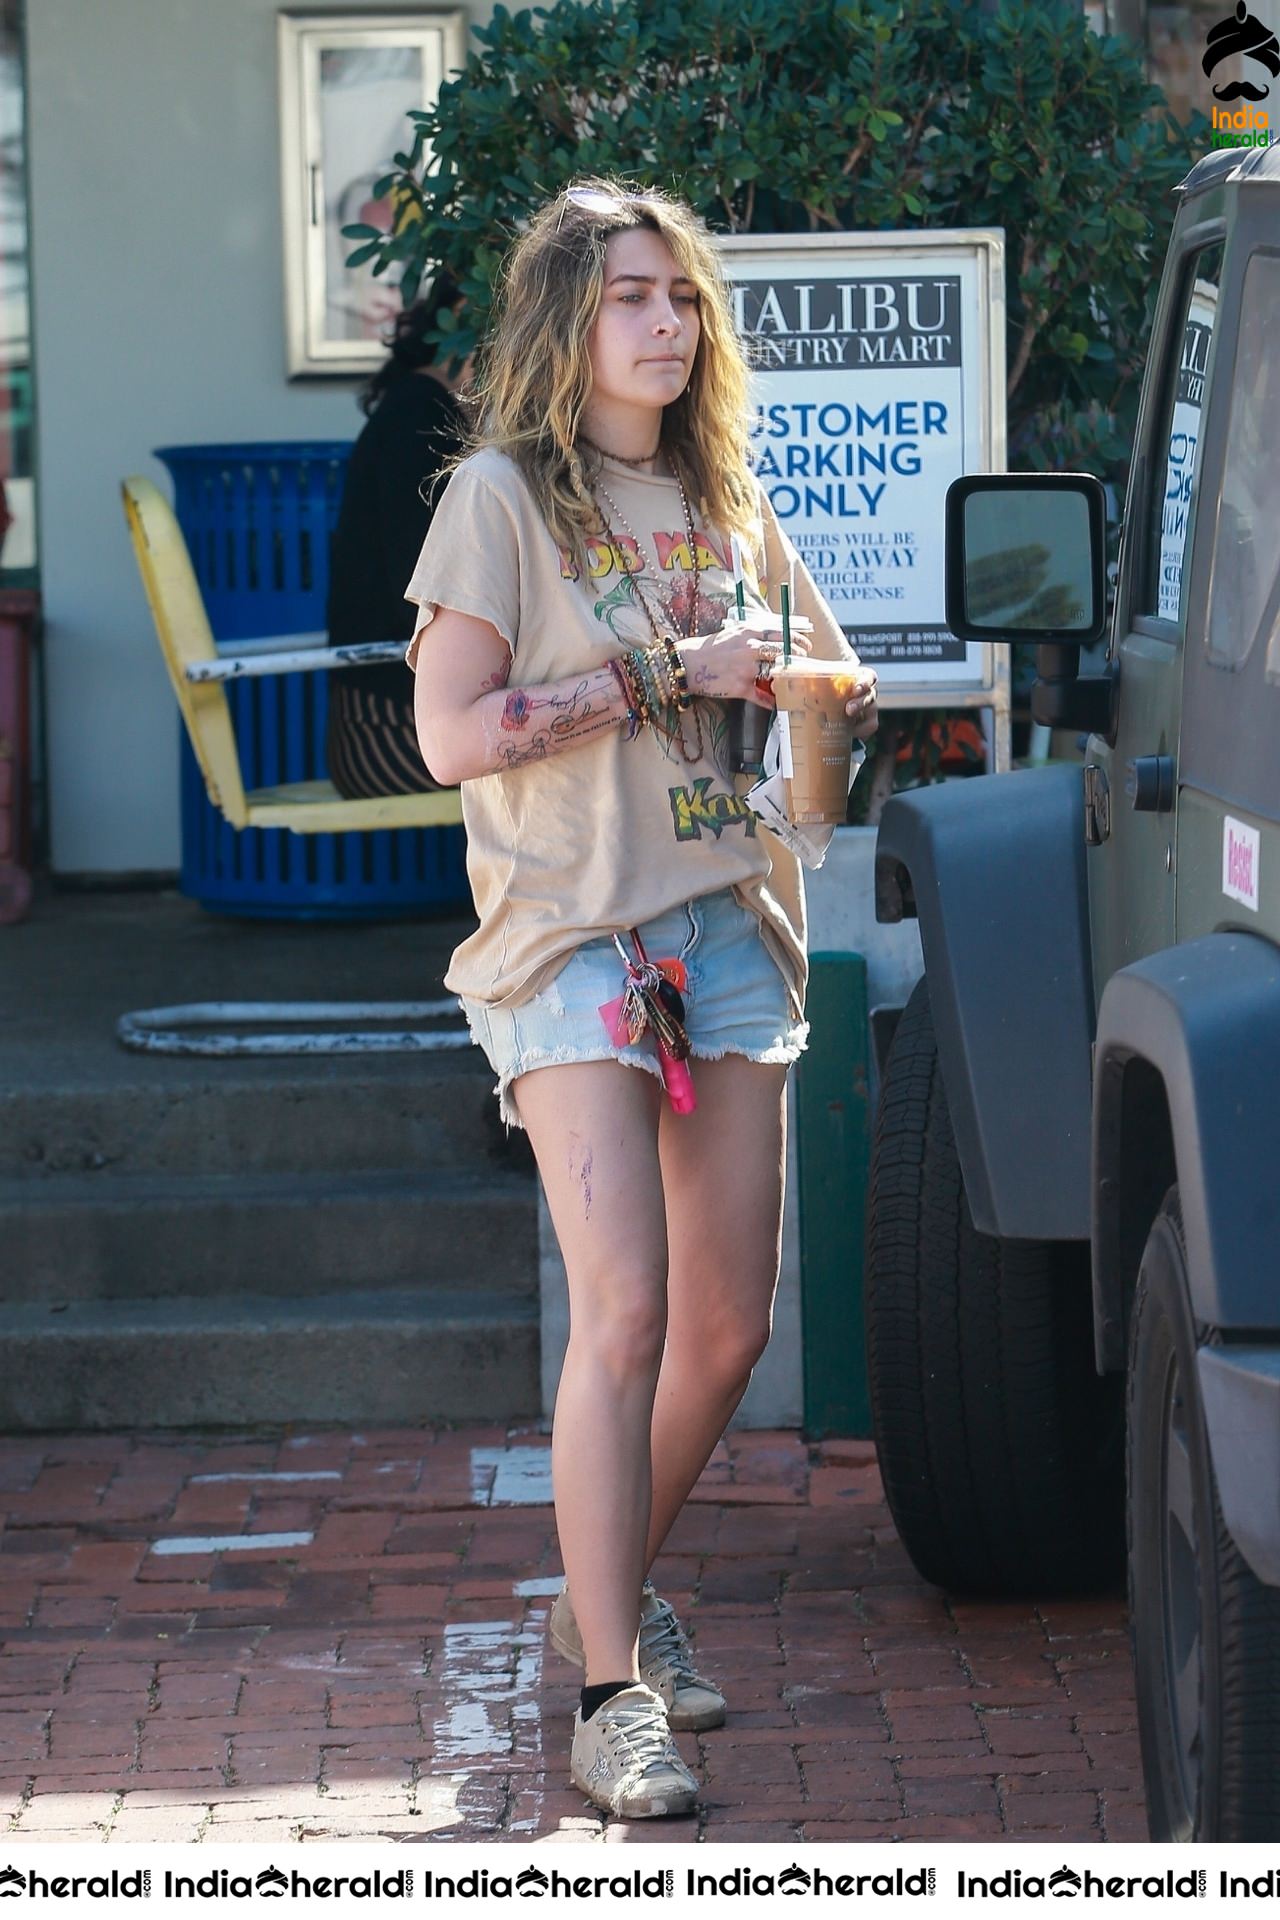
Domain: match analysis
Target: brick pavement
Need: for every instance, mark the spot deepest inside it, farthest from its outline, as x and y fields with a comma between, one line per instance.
x=378, y=1665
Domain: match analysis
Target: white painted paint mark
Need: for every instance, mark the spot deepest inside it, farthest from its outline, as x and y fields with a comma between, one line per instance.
x=526, y=1720
x=511, y=1476
x=535, y=1589
x=436, y=1800
x=231, y=1542
x=523, y=1479
x=483, y=1468
x=490, y=1678
x=219, y=1479
x=477, y=1677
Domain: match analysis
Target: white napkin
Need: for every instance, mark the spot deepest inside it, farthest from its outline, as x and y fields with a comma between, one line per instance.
x=768, y=797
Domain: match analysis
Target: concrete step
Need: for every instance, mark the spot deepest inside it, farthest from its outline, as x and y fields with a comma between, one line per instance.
x=338, y=1116
x=117, y=1236
x=398, y=1355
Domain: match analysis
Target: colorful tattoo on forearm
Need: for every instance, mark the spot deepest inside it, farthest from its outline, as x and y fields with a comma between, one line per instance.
x=533, y=723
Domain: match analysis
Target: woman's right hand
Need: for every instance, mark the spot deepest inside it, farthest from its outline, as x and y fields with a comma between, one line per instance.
x=727, y=665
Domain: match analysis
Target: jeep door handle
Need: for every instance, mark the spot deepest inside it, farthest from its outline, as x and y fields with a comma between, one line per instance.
x=1149, y=782
x=1097, y=805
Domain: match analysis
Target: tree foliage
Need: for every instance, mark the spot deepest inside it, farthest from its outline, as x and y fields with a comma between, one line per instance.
x=801, y=116
x=797, y=116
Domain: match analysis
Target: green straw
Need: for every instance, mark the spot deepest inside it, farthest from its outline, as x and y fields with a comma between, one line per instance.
x=785, y=593
x=739, y=587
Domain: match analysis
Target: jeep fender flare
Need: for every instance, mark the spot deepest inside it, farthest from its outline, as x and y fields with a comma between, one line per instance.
x=994, y=867
x=1186, y=1080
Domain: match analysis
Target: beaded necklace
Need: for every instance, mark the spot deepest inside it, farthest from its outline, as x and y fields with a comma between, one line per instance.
x=675, y=731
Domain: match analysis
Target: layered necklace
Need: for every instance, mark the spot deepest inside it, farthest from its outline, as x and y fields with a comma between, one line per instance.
x=674, y=730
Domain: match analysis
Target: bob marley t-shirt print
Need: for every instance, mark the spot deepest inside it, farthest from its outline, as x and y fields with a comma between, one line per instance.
x=613, y=832
x=622, y=568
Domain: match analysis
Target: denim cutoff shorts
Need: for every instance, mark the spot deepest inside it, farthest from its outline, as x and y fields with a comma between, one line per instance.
x=736, y=1000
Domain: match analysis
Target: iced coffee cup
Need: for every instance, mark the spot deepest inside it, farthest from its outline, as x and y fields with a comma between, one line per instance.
x=816, y=737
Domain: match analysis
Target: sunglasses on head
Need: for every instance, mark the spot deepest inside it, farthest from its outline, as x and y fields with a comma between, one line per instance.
x=598, y=200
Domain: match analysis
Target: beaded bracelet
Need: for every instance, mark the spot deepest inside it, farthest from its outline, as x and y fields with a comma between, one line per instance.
x=638, y=682
x=631, y=666
x=634, y=721
x=644, y=665
x=679, y=676
x=662, y=674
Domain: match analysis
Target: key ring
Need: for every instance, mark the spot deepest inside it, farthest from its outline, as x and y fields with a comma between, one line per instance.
x=651, y=1001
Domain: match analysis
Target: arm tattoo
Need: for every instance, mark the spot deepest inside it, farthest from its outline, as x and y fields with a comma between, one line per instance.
x=497, y=679
x=536, y=722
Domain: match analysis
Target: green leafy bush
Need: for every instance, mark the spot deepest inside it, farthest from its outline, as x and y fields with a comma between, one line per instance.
x=797, y=116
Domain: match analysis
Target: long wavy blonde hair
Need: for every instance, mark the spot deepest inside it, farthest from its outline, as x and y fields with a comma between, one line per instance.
x=536, y=376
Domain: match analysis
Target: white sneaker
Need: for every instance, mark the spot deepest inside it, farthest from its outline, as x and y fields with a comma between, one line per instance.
x=625, y=1760
x=666, y=1663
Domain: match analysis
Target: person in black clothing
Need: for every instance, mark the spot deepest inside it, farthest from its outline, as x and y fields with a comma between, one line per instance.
x=414, y=428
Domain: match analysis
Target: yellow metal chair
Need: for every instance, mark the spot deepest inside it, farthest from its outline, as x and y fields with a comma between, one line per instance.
x=197, y=671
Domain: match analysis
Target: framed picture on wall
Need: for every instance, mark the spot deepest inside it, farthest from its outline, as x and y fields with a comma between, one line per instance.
x=347, y=82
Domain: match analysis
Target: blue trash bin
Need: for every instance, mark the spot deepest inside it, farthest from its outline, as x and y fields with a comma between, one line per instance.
x=257, y=518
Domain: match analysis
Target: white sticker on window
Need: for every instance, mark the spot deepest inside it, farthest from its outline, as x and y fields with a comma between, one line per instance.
x=1240, y=846
x=1184, y=439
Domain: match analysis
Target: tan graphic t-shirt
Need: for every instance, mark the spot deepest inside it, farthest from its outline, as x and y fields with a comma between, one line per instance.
x=609, y=834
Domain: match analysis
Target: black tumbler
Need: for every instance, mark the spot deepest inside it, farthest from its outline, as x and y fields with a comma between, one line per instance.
x=748, y=731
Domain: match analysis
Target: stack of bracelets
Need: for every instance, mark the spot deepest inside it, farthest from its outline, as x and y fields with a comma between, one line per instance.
x=651, y=677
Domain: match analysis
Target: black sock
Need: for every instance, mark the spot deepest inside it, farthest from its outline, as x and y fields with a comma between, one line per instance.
x=595, y=1697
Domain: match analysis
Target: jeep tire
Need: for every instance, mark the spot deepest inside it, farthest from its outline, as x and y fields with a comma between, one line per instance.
x=1000, y=1446
x=1206, y=1632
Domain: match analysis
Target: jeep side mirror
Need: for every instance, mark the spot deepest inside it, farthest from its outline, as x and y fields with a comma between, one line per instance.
x=1026, y=560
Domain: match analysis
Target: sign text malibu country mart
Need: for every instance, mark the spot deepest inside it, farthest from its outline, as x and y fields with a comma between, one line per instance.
x=854, y=323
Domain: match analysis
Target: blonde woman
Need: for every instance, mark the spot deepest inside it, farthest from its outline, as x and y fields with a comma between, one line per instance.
x=575, y=645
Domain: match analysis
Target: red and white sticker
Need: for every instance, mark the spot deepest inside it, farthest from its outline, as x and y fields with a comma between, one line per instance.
x=1240, y=862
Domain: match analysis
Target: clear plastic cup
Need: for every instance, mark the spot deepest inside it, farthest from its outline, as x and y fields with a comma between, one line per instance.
x=816, y=737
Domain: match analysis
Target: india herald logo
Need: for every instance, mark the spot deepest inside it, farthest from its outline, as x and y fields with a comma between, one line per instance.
x=1244, y=34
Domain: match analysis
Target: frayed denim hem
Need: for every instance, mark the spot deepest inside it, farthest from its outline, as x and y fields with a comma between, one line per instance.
x=564, y=1056
x=783, y=1053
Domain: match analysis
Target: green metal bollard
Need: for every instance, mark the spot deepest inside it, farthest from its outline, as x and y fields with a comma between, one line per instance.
x=833, y=1155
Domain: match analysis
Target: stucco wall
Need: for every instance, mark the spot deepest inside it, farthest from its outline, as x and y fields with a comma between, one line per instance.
x=158, y=318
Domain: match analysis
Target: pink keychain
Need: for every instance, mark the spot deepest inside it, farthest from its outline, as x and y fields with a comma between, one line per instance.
x=640, y=1007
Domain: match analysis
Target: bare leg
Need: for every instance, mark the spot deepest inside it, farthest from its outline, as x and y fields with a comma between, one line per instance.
x=593, y=1126
x=723, y=1171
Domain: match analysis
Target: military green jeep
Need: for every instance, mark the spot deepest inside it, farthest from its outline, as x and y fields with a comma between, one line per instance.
x=1073, y=1257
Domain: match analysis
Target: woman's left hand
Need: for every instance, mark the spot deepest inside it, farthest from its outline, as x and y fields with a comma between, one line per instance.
x=862, y=707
